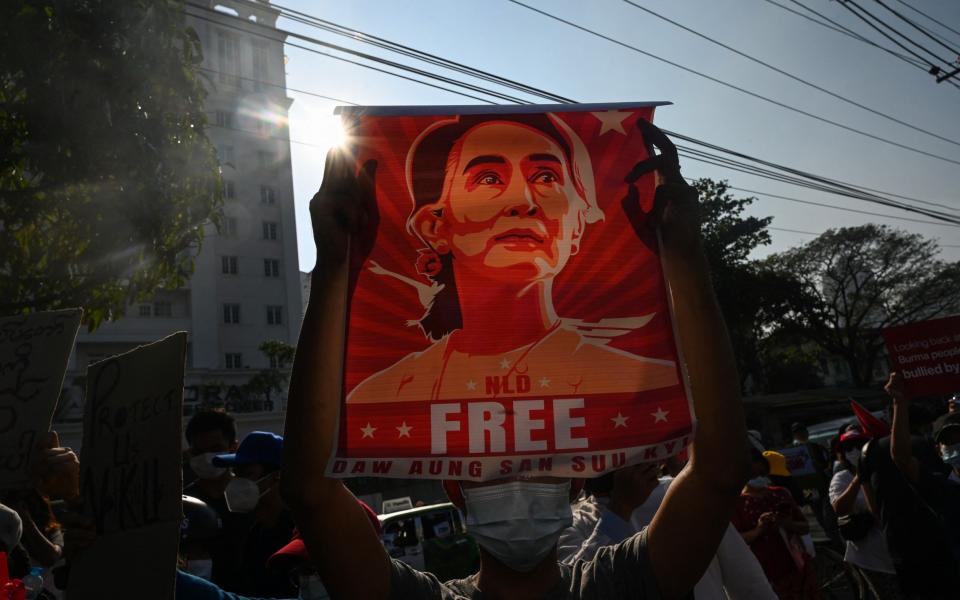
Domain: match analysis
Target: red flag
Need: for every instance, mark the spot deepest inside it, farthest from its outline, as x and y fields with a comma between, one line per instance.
x=870, y=424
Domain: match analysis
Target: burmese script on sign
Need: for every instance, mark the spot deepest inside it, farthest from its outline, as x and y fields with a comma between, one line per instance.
x=507, y=310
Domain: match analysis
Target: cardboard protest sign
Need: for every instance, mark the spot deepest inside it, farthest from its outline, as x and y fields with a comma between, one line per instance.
x=799, y=461
x=34, y=350
x=504, y=315
x=927, y=354
x=130, y=472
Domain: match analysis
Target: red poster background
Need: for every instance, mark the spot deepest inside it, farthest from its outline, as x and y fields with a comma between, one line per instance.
x=927, y=354
x=615, y=274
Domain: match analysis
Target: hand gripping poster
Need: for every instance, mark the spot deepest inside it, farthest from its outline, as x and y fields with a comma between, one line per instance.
x=507, y=311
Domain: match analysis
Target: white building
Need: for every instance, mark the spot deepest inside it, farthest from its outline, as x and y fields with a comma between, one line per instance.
x=247, y=286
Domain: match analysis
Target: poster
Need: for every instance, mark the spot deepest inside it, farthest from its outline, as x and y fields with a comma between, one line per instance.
x=927, y=354
x=34, y=350
x=130, y=472
x=504, y=316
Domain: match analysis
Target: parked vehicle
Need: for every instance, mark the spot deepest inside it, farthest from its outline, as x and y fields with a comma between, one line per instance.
x=431, y=538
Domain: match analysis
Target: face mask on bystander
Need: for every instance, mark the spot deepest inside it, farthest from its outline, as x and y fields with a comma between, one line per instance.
x=243, y=494
x=761, y=482
x=202, y=465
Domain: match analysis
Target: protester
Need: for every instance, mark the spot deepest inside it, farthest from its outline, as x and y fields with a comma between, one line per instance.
x=771, y=523
x=866, y=549
x=11, y=528
x=904, y=481
x=293, y=561
x=208, y=433
x=947, y=437
x=516, y=522
x=255, y=490
x=625, y=502
x=603, y=518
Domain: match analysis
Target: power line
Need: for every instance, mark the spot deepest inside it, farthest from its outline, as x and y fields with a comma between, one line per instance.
x=824, y=184
x=790, y=75
x=837, y=27
x=923, y=63
x=276, y=85
x=735, y=87
x=931, y=19
x=248, y=24
x=868, y=18
x=917, y=27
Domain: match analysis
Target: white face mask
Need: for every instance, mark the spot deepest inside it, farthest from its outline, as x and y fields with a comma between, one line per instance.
x=202, y=465
x=201, y=567
x=760, y=482
x=311, y=588
x=242, y=494
x=518, y=522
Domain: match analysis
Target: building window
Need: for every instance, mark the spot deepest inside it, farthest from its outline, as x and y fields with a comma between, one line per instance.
x=227, y=53
x=233, y=360
x=267, y=195
x=162, y=309
x=229, y=189
x=224, y=119
x=264, y=159
x=231, y=314
x=274, y=315
x=270, y=230
x=230, y=227
x=271, y=267
x=229, y=265
x=226, y=155
x=260, y=72
x=145, y=310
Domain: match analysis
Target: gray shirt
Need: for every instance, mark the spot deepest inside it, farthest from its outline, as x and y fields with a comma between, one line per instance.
x=620, y=571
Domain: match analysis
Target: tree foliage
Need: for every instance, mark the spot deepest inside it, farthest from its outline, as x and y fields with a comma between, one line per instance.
x=275, y=378
x=107, y=178
x=855, y=281
x=751, y=296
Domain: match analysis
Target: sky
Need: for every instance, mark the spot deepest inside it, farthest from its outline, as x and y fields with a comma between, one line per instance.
x=514, y=42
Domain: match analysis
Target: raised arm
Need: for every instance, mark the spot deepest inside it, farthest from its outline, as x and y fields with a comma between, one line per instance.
x=338, y=535
x=689, y=525
x=900, y=447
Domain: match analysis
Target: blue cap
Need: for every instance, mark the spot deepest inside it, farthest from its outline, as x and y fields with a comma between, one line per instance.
x=258, y=448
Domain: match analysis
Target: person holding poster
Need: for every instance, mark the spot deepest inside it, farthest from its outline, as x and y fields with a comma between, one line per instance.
x=517, y=519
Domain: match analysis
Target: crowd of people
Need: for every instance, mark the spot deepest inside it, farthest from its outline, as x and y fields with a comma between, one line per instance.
x=722, y=520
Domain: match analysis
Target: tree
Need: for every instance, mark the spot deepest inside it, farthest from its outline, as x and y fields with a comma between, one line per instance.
x=751, y=296
x=277, y=376
x=856, y=281
x=107, y=178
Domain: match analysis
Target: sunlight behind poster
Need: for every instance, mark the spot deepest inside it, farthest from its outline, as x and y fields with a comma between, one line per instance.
x=505, y=314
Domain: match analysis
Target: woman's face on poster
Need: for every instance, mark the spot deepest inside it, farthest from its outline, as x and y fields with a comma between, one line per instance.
x=509, y=209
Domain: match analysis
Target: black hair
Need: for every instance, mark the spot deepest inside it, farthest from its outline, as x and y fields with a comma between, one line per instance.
x=210, y=420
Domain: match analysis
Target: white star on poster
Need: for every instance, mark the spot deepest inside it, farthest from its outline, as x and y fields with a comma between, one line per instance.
x=611, y=120
x=404, y=430
x=660, y=415
x=504, y=364
x=544, y=382
x=472, y=385
x=619, y=420
x=368, y=431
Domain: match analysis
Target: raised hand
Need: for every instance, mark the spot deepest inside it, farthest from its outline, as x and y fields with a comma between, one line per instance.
x=675, y=208
x=55, y=470
x=344, y=208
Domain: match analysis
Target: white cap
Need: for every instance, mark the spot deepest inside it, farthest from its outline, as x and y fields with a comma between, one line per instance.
x=11, y=528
